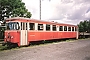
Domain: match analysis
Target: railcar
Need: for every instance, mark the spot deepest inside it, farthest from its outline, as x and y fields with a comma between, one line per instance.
x=22, y=31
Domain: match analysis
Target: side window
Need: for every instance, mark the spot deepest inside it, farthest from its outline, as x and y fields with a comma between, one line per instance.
x=60, y=28
x=31, y=26
x=17, y=27
x=65, y=28
x=47, y=27
x=40, y=26
x=75, y=29
x=54, y=27
x=21, y=26
x=72, y=28
x=26, y=26
x=69, y=28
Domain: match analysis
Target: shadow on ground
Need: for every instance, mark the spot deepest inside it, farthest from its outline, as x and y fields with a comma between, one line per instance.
x=86, y=58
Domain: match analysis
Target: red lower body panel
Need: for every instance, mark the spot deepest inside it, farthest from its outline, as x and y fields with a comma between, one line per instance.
x=12, y=36
x=41, y=35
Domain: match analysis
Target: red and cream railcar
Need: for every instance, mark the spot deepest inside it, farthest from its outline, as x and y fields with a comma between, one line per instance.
x=23, y=30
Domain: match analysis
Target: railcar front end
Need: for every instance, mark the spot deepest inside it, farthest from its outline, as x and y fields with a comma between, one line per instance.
x=12, y=33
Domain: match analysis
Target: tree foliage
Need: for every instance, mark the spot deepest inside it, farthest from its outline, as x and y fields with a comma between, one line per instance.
x=89, y=26
x=84, y=26
x=13, y=8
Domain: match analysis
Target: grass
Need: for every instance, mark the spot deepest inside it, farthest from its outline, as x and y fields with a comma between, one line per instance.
x=3, y=47
x=70, y=40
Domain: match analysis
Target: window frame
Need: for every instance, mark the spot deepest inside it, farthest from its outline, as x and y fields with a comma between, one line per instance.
x=54, y=28
x=65, y=28
x=12, y=26
x=41, y=27
x=73, y=29
x=61, y=29
x=69, y=29
x=48, y=26
x=33, y=27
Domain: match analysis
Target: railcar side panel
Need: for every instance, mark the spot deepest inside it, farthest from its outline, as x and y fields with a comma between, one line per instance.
x=42, y=35
x=68, y=34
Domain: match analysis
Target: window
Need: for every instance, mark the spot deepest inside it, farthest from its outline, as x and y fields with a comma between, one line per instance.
x=13, y=26
x=31, y=26
x=21, y=25
x=69, y=28
x=65, y=28
x=54, y=27
x=47, y=27
x=40, y=26
x=75, y=29
x=72, y=28
x=26, y=26
x=60, y=28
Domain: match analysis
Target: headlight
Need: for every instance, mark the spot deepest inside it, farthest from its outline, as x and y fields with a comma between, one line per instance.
x=5, y=37
x=12, y=37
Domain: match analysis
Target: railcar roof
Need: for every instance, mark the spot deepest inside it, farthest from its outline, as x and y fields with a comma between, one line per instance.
x=22, y=18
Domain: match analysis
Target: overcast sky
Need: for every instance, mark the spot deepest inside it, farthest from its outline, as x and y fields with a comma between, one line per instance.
x=64, y=11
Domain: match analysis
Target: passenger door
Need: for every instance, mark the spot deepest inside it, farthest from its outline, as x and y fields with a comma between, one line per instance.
x=23, y=40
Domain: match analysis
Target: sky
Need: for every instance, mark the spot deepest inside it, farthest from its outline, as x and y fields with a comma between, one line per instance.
x=62, y=11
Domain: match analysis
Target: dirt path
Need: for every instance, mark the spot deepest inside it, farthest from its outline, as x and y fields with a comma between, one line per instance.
x=77, y=50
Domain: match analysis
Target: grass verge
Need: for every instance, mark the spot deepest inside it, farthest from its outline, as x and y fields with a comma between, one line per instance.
x=3, y=47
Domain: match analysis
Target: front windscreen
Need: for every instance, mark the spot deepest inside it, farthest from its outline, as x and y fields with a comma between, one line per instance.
x=12, y=26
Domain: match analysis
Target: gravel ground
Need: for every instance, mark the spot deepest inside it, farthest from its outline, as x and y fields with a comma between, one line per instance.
x=76, y=50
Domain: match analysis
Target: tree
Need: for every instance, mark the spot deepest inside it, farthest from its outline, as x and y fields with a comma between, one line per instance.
x=89, y=26
x=80, y=25
x=84, y=27
x=13, y=8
